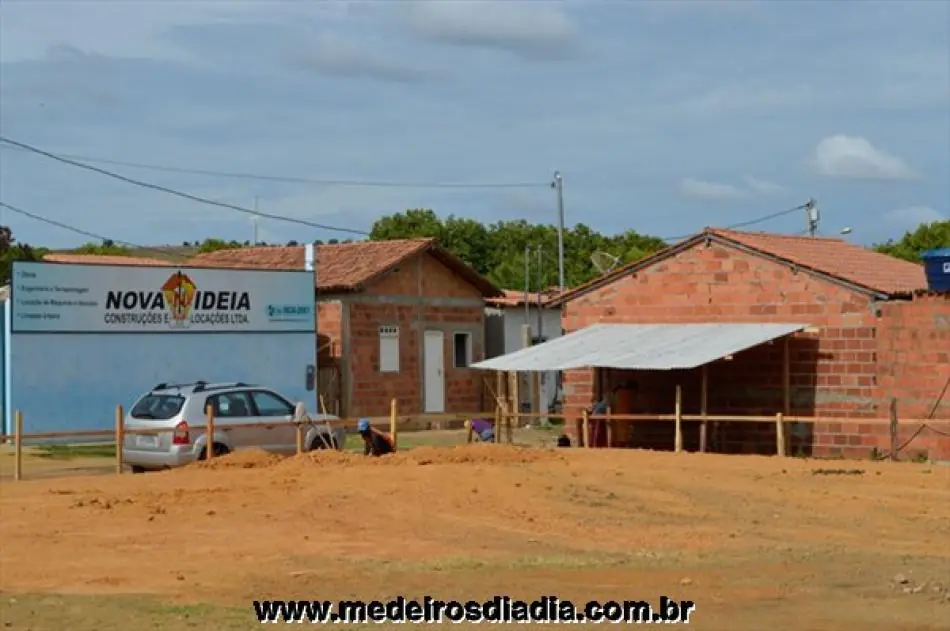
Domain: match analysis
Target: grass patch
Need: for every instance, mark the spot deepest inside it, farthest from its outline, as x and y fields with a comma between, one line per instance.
x=70, y=452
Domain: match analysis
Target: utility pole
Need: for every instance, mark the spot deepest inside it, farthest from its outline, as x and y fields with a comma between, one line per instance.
x=540, y=289
x=527, y=284
x=558, y=185
x=254, y=220
x=812, y=216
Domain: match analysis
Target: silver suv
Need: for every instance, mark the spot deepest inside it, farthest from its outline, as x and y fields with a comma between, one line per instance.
x=171, y=408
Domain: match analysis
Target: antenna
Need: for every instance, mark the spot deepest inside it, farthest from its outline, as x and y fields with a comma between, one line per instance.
x=605, y=262
x=812, y=215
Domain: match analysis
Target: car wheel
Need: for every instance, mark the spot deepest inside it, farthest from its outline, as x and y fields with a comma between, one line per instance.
x=318, y=443
x=138, y=469
x=218, y=449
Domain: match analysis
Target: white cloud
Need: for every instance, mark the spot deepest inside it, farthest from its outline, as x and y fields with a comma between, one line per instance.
x=530, y=30
x=912, y=216
x=340, y=57
x=763, y=187
x=711, y=191
x=718, y=191
x=854, y=157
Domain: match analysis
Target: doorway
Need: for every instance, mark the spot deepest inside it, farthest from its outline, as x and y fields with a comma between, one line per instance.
x=434, y=367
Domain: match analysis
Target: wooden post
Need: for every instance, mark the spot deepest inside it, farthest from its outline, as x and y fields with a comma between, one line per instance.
x=786, y=387
x=586, y=428
x=610, y=429
x=703, y=402
x=393, y=409
x=18, y=445
x=499, y=420
x=298, y=429
x=514, y=389
x=678, y=420
x=780, y=434
x=119, y=437
x=894, y=443
x=470, y=432
x=209, y=432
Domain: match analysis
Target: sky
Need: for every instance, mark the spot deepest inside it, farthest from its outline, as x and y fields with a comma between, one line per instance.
x=662, y=117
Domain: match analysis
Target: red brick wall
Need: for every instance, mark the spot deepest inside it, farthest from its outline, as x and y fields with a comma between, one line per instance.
x=914, y=367
x=424, y=277
x=832, y=374
x=330, y=324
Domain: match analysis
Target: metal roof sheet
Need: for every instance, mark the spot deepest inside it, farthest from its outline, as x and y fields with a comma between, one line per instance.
x=641, y=346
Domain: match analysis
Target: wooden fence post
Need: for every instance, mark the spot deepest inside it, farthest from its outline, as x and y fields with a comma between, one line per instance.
x=18, y=445
x=499, y=420
x=393, y=410
x=678, y=420
x=471, y=431
x=893, y=428
x=209, y=432
x=586, y=427
x=780, y=434
x=119, y=437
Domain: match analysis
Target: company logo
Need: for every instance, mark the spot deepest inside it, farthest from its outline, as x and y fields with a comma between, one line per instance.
x=179, y=293
x=177, y=303
x=288, y=313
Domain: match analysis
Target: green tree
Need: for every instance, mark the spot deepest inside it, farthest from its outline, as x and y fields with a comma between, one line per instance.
x=927, y=236
x=11, y=251
x=213, y=245
x=106, y=248
x=498, y=250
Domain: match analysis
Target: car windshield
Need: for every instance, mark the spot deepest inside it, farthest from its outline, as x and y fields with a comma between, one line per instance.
x=158, y=406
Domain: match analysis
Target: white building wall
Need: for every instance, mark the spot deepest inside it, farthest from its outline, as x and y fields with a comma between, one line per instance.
x=550, y=329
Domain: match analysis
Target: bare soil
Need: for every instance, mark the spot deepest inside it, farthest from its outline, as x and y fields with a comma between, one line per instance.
x=755, y=542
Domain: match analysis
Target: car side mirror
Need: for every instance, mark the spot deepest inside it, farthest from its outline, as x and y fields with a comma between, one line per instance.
x=310, y=378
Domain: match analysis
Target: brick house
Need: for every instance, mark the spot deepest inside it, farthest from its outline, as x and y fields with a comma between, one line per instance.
x=400, y=318
x=877, y=336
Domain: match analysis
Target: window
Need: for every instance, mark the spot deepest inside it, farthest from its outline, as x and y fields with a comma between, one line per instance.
x=269, y=404
x=463, y=349
x=158, y=406
x=389, y=349
x=231, y=405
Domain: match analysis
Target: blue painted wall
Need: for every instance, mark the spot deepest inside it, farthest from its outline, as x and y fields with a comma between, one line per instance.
x=4, y=427
x=63, y=381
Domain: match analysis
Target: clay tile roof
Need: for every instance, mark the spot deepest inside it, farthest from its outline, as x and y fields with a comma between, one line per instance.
x=835, y=257
x=343, y=266
x=515, y=298
x=872, y=271
x=103, y=259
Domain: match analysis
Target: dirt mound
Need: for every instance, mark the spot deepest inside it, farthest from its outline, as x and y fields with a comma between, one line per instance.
x=475, y=454
x=242, y=459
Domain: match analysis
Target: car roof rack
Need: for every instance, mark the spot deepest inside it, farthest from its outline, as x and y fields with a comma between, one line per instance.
x=178, y=386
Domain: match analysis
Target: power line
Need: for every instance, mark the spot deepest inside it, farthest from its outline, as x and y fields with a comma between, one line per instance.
x=86, y=233
x=284, y=178
x=170, y=191
x=750, y=222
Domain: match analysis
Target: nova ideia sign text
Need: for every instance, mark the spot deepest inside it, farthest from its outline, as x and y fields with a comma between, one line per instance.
x=59, y=298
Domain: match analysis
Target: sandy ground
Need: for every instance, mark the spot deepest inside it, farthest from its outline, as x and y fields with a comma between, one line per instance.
x=756, y=543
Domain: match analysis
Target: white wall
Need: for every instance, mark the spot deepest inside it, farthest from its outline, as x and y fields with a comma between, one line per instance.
x=550, y=329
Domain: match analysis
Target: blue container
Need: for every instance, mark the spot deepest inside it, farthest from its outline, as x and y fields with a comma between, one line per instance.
x=937, y=268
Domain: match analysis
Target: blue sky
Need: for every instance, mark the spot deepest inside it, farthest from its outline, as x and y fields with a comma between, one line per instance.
x=663, y=117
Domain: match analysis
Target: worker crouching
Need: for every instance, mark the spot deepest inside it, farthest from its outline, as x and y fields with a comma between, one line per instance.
x=375, y=442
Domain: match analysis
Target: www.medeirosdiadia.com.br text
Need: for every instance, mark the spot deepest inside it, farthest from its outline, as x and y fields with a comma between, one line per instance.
x=502, y=609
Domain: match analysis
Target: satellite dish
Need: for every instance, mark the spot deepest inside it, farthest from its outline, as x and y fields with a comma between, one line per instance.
x=604, y=261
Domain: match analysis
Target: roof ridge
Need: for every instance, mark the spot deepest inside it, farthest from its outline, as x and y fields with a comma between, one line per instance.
x=778, y=235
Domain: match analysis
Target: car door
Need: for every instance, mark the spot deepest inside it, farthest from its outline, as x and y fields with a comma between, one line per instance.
x=270, y=406
x=232, y=410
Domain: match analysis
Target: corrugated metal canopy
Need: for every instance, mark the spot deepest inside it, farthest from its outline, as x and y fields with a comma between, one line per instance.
x=641, y=346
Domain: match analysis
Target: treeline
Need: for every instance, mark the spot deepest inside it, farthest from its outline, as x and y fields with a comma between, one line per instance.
x=495, y=250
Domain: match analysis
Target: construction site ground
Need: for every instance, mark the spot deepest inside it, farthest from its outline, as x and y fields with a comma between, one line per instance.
x=756, y=542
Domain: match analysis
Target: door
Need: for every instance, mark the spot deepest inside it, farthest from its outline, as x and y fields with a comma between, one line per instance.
x=231, y=411
x=434, y=366
x=268, y=406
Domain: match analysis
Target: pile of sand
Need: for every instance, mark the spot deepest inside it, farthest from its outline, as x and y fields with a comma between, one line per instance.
x=462, y=454
x=241, y=459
